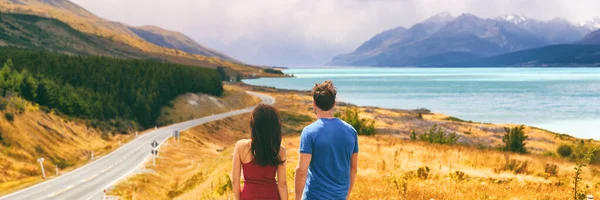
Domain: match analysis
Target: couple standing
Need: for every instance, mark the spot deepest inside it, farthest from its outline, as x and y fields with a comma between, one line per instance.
x=327, y=162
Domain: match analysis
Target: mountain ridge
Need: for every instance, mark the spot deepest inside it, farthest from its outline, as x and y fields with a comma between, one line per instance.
x=466, y=35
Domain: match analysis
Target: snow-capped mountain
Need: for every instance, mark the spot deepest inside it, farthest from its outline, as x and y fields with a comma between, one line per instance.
x=593, y=24
x=513, y=18
x=445, y=38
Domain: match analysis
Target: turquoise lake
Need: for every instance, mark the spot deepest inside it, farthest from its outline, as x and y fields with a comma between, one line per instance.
x=564, y=100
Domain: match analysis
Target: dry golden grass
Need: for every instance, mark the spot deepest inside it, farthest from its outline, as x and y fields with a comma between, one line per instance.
x=388, y=163
x=60, y=140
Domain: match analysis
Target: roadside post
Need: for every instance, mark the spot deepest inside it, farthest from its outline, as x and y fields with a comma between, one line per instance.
x=56, y=167
x=154, y=152
x=41, y=160
x=92, y=156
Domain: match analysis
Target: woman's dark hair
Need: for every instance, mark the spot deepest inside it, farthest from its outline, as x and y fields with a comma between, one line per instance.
x=266, y=135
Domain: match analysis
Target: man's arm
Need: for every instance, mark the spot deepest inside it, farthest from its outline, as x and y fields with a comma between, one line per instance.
x=353, y=171
x=301, y=174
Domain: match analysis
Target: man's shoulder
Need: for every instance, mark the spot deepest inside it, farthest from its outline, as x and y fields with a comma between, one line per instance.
x=347, y=125
x=312, y=127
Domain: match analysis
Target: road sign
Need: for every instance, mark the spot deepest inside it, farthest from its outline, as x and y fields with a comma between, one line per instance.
x=154, y=144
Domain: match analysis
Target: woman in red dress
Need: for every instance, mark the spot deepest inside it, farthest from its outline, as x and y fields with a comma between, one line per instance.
x=262, y=159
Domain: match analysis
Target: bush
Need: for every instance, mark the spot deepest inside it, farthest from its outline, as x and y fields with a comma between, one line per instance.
x=564, y=150
x=459, y=176
x=514, y=139
x=224, y=187
x=9, y=116
x=551, y=169
x=351, y=116
x=3, y=104
x=423, y=172
x=514, y=165
x=435, y=135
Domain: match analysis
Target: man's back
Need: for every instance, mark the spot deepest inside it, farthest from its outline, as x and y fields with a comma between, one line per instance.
x=331, y=143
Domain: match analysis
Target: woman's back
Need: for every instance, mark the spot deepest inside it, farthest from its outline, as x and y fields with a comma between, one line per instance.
x=259, y=181
x=261, y=159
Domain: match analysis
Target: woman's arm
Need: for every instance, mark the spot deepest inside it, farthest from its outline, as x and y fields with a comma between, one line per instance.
x=281, y=176
x=236, y=170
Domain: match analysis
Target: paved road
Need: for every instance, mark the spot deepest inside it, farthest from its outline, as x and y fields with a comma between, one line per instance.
x=89, y=181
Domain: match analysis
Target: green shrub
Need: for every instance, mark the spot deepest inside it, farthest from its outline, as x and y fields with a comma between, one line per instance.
x=9, y=116
x=435, y=135
x=3, y=104
x=564, y=150
x=514, y=139
x=413, y=135
x=293, y=118
x=351, y=116
x=224, y=187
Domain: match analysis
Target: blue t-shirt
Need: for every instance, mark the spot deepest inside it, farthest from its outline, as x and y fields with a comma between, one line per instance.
x=331, y=143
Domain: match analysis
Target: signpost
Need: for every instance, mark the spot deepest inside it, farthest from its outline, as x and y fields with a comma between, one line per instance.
x=177, y=135
x=41, y=160
x=154, y=151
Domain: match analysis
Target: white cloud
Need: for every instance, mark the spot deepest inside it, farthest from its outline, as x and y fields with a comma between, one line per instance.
x=336, y=24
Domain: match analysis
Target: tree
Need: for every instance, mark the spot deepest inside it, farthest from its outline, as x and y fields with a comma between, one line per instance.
x=514, y=139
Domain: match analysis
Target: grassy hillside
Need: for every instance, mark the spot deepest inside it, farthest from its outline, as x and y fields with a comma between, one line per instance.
x=33, y=132
x=191, y=106
x=391, y=166
x=100, y=87
x=176, y=40
x=33, y=32
x=88, y=23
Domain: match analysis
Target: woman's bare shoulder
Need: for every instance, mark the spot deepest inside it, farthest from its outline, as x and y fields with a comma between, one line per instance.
x=243, y=143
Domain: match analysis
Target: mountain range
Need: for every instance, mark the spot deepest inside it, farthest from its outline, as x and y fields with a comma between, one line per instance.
x=444, y=40
x=78, y=31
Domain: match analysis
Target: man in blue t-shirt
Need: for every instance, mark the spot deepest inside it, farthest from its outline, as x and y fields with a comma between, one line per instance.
x=328, y=158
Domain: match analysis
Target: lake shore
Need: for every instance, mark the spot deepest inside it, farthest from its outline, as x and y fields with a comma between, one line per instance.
x=401, y=122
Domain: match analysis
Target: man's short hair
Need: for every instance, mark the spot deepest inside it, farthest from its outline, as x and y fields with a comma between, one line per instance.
x=324, y=95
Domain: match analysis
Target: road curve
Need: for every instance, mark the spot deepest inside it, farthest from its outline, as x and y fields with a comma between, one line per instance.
x=90, y=180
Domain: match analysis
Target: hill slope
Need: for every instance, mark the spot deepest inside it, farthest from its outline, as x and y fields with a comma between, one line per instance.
x=591, y=38
x=33, y=32
x=549, y=56
x=176, y=40
x=88, y=23
x=36, y=133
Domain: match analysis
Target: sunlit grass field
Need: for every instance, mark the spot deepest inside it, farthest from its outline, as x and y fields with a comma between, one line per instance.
x=390, y=165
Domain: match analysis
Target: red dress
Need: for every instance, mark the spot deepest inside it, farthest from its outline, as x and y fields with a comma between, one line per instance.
x=259, y=182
